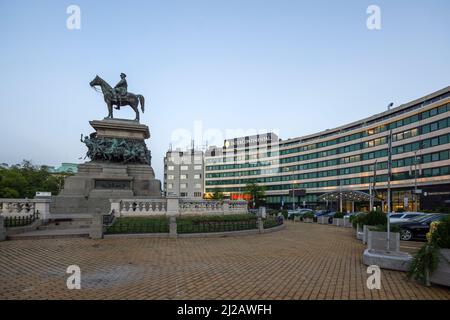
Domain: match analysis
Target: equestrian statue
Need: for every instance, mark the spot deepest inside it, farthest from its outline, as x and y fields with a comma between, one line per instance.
x=118, y=96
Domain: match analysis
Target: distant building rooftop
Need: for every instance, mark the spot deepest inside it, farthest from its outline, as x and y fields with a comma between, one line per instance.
x=65, y=168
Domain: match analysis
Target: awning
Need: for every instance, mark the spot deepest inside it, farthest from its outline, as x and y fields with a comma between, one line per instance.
x=357, y=196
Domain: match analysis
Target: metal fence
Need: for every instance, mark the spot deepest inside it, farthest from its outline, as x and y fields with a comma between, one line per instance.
x=271, y=222
x=137, y=225
x=214, y=226
x=21, y=221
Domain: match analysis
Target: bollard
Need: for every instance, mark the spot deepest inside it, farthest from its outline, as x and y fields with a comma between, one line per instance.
x=173, y=227
x=2, y=229
x=260, y=224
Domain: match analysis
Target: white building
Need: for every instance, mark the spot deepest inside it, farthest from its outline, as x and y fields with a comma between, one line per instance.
x=183, y=173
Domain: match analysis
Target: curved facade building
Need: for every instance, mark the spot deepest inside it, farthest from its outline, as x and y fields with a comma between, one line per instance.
x=344, y=165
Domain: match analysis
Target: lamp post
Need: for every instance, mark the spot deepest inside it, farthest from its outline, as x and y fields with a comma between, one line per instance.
x=293, y=195
x=372, y=187
x=416, y=195
x=389, y=184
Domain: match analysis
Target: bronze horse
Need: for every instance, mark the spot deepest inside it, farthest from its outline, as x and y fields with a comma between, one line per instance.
x=130, y=99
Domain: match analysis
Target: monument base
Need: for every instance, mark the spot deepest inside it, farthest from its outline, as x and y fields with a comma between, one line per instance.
x=96, y=183
x=126, y=172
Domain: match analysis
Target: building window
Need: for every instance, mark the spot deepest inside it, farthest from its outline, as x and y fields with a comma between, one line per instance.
x=198, y=185
x=197, y=167
x=183, y=176
x=170, y=168
x=197, y=194
x=170, y=186
x=183, y=185
x=170, y=177
x=184, y=168
x=183, y=194
x=197, y=176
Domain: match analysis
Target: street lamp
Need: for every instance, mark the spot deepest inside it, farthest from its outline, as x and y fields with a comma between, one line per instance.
x=389, y=183
x=293, y=195
x=416, y=161
x=372, y=187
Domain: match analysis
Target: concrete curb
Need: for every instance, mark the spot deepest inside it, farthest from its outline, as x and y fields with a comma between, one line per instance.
x=196, y=235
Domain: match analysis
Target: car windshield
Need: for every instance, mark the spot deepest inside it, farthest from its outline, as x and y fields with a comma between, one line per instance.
x=421, y=218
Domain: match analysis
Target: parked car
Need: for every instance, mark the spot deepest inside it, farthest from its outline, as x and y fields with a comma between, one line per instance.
x=319, y=213
x=350, y=214
x=405, y=216
x=298, y=213
x=417, y=228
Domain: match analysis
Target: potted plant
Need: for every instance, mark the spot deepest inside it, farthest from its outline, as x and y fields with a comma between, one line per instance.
x=431, y=264
x=308, y=217
x=363, y=221
x=338, y=219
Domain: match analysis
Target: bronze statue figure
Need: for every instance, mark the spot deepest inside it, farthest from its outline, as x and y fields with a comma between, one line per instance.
x=118, y=96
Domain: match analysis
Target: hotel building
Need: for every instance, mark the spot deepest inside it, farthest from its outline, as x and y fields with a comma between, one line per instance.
x=348, y=165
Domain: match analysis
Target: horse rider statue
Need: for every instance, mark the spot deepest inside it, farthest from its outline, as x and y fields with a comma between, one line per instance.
x=120, y=89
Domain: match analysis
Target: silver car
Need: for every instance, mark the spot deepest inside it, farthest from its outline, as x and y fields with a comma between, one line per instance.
x=404, y=216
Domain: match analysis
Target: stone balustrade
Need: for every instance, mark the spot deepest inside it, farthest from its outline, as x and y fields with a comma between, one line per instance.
x=200, y=207
x=140, y=207
x=176, y=206
x=25, y=207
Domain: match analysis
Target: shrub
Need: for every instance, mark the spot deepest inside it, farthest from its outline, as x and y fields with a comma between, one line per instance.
x=441, y=235
x=425, y=262
x=309, y=215
x=426, y=259
x=284, y=212
x=383, y=228
x=339, y=215
x=372, y=218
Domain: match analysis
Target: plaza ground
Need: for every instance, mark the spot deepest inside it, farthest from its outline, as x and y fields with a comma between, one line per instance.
x=303, y=261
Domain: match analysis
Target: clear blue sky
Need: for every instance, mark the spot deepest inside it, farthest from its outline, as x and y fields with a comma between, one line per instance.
x=296, y=66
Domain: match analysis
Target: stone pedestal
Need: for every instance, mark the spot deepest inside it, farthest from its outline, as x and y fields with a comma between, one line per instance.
x=109, y=176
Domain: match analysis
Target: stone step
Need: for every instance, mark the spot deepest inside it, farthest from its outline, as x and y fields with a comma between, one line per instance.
x=66, y=225
x=50, y=234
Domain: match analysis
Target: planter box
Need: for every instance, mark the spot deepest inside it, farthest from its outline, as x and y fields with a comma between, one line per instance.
x=391, y=260
x=338, y=222
x=365, y=234
x=442, y=274
x=377, y=254
x=378, y=241
x=322, y=220
x=347, y=223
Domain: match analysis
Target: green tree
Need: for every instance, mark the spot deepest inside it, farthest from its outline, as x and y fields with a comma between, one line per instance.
x=23, y=180
x=257, y=193
x=217, y=195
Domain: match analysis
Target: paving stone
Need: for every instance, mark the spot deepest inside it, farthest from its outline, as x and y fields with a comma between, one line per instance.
x=303, y=261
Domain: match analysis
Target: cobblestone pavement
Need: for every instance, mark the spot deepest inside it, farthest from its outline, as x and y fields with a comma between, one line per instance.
x=303, y=261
